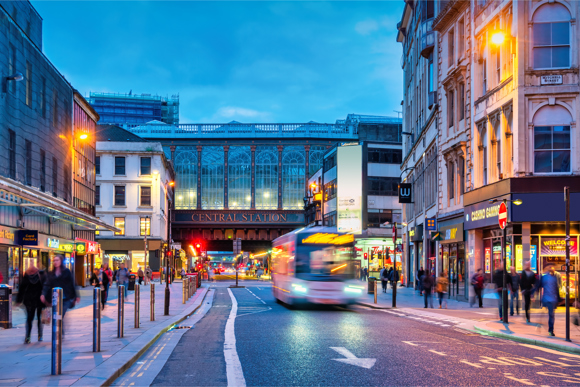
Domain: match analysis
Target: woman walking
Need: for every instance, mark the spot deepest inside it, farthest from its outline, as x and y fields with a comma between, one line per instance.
x=140, y=274
x=60, y=277
x=29, y=294
x=442, y=286
x=101, y=279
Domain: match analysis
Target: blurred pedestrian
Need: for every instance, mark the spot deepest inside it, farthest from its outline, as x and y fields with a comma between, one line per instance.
x=123, y=278
x=383, y=276
x=515, y=291
x=420, y=274
x=441, y=288
x=393, y=277
x=477, y=283
x=99, y=279
x=140, y=274
x=182, y=273
x=60, y=277
x=29, y=294
x=115, y=276
x=105, y=269
x=148, y=275
x=365, y=273
x=427, y=286
x=550, y=294
x=498, y=281
x=527, y=284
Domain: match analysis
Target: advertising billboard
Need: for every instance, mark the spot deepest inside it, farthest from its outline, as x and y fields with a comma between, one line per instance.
x=349, y=189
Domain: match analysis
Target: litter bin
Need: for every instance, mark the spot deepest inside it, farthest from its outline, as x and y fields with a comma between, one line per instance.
x=371, y=282
x=131, y=282
x=5, y=306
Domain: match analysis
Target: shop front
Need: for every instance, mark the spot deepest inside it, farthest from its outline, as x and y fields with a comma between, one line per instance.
x=416, y=248
x=452, y=257
x=87, y=258
x=9, y=258
x=380, y=252
x=132, y=253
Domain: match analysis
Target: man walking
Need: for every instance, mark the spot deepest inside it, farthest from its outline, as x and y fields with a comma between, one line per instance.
x=527, y=284
x=515, y=291
x=498, y=281
x=477, y=283
x=123, y=278
x=549, y=284
x=427, y=285
x=384, y=279
x=420, y=274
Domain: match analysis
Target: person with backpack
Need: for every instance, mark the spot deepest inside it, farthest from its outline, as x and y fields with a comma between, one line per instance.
x=29, y=294
x=477, y=283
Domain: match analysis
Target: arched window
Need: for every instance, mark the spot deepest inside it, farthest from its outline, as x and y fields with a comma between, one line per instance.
x=552, y=140
x=551, y=36
x=266, y=178
x=239, y=177
x=315, y=159
x=212, y=178
x=483, y=151
x=293, y=165
x=185, y=178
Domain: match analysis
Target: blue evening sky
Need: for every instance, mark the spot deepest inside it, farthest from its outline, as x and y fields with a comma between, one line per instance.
x=245, y=61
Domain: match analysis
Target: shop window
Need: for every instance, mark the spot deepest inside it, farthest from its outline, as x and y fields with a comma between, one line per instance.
x=119, y=165
x=145, y=196
x=145, y=226
x=120, y=223
x=551, y=37
x=145, y=166
x=119, y=195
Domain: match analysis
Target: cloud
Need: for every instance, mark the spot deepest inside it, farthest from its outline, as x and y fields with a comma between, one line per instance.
x=239, y=112
x=366, y=27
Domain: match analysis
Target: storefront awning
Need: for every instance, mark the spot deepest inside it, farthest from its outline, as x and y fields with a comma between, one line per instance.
x=18, y=195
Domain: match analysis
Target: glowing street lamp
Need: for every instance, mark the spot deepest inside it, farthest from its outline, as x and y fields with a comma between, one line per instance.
x=497, y=37
x=84, y=136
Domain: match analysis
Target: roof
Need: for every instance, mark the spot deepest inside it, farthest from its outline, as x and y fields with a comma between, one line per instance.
x=116, y=133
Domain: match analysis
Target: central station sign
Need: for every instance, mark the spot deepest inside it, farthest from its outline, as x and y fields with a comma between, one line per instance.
x=239, y=217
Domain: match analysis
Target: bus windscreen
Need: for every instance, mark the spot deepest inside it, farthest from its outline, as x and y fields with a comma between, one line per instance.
x=324, y=262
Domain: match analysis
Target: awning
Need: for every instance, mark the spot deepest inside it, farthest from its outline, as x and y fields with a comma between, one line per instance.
x=16, y=194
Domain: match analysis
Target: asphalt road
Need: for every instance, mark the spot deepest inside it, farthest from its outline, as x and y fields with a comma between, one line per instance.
x=278, y=346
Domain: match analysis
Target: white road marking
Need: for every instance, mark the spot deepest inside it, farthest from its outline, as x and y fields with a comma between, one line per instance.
x=551, y=351
x=438, y=353
x=417, y=345
x=234, y=371
x=485, y=313
x=352, y=359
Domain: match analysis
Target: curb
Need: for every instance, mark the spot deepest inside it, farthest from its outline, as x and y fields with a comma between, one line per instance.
x=373, y=306
x=127, y=356
x=526, y=340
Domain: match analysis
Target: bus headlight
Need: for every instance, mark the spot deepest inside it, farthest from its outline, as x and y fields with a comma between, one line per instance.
x=299, y=288
x=354, y=289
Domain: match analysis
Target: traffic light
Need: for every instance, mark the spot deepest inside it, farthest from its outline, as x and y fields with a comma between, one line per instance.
x=198, y=246
x=366, y=256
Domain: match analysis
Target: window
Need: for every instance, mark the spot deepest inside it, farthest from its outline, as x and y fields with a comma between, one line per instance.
x=266, y=178
x=451, y=48
x=42, y=97
x=460, y=38
x=483, y=152
x=385, y=156
x=54, y=108
x=431, y=74
x=498, y=66
x=450, y=108
x=484, y=76
x=119, y=165
x=551, y=37
x=461, y=103
x=145, y=165
x=498, y=153
x=12, y=153
x=11, y=66
x=120, y=223
x=98, y=165
x=212, y=178
x=330, y=162
x=293, y=177
x=54, y=177
x=316, y=158
x=97, y=195
x=451, y=181
x=461, y=167
x=42, y=170
x=145, y=196
x=330, y=190
x=551, y=149
x=239, y=177
x=28, y=162
x=119, y=195
x=28, y=84
x=383, y=186
x=67, y=178
x=145, y=226
x=376, y=219
x=185, y=178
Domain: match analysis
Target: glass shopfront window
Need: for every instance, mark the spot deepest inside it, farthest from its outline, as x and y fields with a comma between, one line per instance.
x=13, y=268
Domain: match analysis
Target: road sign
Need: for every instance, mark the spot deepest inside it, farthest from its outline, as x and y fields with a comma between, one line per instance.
x=502, y=216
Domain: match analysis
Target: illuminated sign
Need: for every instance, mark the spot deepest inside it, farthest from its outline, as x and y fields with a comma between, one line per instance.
x=240, y=217
x=52, y=243
x=412, y=232
x=81, y=248
x=6, y=234
x=557, y=246
x=328, y=239
x=431, y=224
x=67, y=247
x=487, y=260
x=483, y=214
x=349, y=189
x=27, y=237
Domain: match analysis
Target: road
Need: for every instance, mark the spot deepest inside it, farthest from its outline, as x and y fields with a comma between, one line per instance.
x=331, y=346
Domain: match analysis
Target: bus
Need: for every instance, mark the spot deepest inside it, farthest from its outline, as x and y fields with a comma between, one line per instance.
x=315, y=265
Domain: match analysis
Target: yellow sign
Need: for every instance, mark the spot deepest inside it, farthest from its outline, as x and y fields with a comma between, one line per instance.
x=412, y=232
x=327, y=238
x=81, y=249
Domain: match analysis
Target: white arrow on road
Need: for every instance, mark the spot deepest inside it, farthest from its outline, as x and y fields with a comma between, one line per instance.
x=352, y=359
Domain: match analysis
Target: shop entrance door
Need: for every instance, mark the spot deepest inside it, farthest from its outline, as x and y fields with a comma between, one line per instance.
x=461, y=291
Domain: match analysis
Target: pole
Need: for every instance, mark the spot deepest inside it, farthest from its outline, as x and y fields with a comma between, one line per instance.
x=395, y=273
x=56, y=364
x=152, y=303
x=184, y=291
x=137, y=302
x=97, y=319
x=504, y=292
x=120, y=311
x=375, y=288
x=567, y=200
x=167, y=291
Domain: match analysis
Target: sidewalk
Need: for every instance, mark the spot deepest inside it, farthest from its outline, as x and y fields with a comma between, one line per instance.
x=486, y=320
x=29, y=365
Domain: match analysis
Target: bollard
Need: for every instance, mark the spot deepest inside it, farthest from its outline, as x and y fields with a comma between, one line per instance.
x=121, y=311
x=375, y=291
x=166, y=307
x=56, y=366
x=152, y=303
x=184, y=293
x=97, y=320
x=395, y=293
x=137, y=302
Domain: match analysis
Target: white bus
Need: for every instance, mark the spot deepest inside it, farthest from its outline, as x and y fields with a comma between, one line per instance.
x=315, y=265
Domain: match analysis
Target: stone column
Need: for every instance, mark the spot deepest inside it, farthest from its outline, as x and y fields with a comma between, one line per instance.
x=253, y=174
x=199, y=149
x=226, y=150
x=280, y=149
x=526, y=243
x=172, y=148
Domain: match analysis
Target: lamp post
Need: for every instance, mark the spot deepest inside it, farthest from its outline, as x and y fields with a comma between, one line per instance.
x=504, y=292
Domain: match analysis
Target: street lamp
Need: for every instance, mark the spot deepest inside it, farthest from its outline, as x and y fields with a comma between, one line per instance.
x=504, y=294
x=17, y=77
x=497, y=37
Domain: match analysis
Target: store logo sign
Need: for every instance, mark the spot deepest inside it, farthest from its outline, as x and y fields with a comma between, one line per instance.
x=405, y=193
x=81, y=248
x=450, y=233
x=53, y=243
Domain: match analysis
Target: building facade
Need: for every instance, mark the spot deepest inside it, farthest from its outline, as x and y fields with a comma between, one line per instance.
x=135, y=109
x=134, y=191
x=38, y=218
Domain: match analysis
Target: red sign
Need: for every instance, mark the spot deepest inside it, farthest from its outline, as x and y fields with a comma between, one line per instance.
x=502, y=216
x=394, y=234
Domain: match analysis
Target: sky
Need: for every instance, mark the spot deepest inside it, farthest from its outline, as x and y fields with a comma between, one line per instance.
x=252, y=62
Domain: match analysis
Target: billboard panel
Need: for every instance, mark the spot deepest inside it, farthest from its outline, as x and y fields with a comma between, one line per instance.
x=349, y=189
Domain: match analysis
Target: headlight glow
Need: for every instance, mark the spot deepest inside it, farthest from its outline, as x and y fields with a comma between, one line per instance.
x=299, y=288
